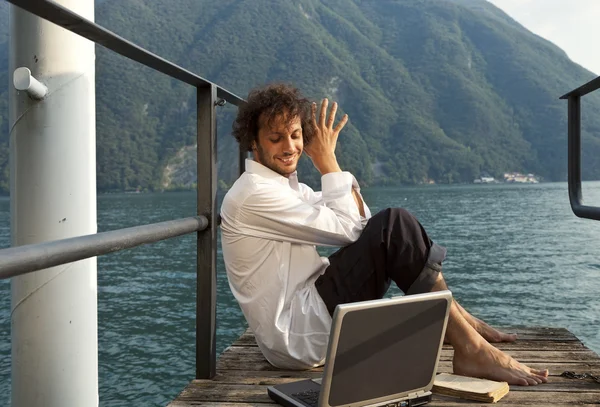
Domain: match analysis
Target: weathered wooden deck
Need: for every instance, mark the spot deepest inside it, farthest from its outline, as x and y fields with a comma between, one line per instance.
x=243, y=374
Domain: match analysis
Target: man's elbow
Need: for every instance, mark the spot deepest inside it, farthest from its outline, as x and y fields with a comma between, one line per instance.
x=353, y=233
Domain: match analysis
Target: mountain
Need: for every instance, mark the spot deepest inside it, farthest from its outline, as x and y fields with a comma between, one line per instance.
x=435, y=90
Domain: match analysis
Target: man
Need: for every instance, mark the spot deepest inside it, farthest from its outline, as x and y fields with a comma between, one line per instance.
x=271, y=224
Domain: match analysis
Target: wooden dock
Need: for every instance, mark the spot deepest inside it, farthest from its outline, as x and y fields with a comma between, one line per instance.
x=243, y=374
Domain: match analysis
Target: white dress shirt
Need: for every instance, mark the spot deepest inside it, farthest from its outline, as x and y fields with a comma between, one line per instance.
x=270, y=225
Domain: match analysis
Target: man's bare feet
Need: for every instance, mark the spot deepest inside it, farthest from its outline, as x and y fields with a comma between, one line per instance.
x=490, y=334
x=487, y=362
x=474, y=356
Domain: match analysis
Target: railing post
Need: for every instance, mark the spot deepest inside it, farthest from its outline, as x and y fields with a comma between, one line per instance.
x=206, y=267
x=574, y=151
x=575, y=195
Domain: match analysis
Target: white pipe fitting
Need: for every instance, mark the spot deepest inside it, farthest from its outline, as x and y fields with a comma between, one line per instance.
x=23, y=80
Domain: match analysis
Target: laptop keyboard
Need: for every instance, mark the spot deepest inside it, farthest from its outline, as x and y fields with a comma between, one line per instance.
x=310, y=397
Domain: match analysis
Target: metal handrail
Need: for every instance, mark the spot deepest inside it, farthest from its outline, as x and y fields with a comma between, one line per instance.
x=208, y=95
x=73, y=22
x=584, y=89
x=19, y=260
x=574, y=125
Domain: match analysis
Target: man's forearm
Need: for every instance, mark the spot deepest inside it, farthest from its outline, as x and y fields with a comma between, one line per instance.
x=328, y=165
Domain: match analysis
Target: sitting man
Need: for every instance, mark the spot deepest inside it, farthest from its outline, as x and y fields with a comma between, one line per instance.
x=271, y=224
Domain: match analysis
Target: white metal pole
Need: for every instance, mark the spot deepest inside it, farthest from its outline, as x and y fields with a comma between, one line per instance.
x=54, y=319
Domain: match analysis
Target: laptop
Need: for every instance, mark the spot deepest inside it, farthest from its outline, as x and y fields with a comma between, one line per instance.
x=380, y=353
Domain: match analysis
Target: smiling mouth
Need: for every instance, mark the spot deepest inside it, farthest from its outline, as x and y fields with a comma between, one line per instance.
x=288, y=160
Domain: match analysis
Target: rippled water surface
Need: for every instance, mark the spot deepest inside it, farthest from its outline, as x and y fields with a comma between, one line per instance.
x=516, y=256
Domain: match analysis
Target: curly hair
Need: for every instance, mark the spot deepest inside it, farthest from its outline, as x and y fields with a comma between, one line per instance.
x=269, y=102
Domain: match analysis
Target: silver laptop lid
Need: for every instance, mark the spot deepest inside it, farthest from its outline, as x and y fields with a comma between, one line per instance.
x=384, y=350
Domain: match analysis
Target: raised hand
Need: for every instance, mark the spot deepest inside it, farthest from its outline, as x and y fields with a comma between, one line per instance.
x=321, y=149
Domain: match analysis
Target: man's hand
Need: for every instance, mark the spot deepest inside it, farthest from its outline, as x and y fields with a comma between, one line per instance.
x=321, y=149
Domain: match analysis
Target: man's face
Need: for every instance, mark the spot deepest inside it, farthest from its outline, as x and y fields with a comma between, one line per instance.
x=279, y=144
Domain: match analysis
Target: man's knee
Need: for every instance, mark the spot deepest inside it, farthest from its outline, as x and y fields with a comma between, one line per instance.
x=412, y=260
x=398, y=224
x=401, y=213
x=406, y=224
x=388, y=215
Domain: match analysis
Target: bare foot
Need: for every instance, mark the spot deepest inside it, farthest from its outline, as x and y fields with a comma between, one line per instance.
x=490, y=334
x=487, y=362
x=474, y=356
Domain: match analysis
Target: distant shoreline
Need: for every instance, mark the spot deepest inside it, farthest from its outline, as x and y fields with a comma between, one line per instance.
x=3, y=195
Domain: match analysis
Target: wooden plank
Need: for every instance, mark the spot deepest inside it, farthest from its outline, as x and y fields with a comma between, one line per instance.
x=255, y=363
x=527, y=356
x=243, y=374
x=542, y=334
x=436, y=403
x=444, y=366
x=552, y=393
x=563, y=351
x=520, y=344
x=555, y=368
x=249, y=358
x=269, y=378
x=525, y=332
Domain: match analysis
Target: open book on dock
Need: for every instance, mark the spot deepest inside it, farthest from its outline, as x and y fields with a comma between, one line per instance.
x=469, y=388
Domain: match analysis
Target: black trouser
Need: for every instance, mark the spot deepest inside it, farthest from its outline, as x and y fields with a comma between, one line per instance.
x=393, y=246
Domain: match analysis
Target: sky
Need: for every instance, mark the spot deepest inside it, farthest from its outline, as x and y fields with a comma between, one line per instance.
x=573, y=25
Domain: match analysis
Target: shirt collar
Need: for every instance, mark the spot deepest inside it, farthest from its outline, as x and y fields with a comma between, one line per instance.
x=257, y=168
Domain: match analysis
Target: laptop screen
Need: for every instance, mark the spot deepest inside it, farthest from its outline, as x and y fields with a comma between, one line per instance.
x=386, y=350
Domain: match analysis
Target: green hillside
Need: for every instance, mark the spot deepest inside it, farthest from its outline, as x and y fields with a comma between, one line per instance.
x=442, y=91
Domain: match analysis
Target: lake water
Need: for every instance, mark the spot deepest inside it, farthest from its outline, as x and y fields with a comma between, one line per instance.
x=516, y=256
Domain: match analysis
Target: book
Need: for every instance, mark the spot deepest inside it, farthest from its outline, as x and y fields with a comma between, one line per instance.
x=469, y=388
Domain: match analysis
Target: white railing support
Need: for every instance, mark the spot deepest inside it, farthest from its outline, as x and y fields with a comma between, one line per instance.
x=24, y=81
x=54, y=312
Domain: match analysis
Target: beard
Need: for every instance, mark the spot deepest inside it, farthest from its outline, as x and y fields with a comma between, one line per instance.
x=273, y=164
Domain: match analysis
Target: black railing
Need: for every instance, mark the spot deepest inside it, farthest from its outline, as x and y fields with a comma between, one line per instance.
x=20, y=260
x=575, y=195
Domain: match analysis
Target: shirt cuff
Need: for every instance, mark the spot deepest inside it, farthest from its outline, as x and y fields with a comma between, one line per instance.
x=336, y=184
